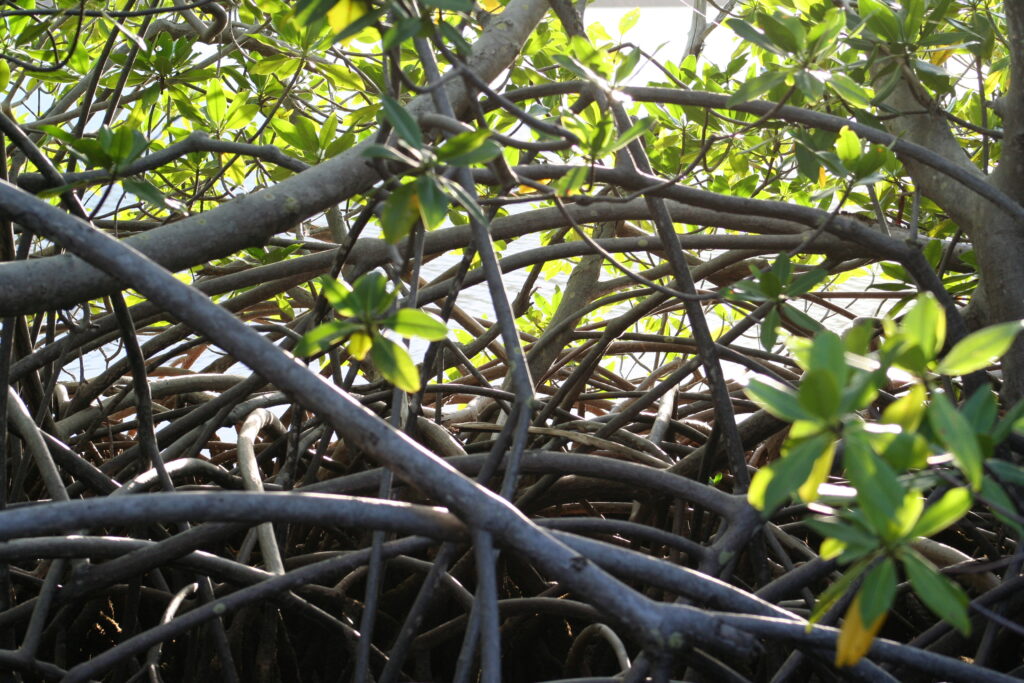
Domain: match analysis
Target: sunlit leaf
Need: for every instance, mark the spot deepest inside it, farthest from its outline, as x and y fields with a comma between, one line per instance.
x=345, y=13
x=411, y=322
x=820, y=471
x=847, y=146
x=879, y=18
x=359, y=344
x=394, y=363
x=908, y=410
x=773, y=485
x=216, y=102
x=947, y=510
x=980, y=349
x=321, y=337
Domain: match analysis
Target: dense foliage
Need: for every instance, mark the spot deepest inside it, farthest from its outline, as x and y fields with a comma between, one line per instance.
x=751, y=411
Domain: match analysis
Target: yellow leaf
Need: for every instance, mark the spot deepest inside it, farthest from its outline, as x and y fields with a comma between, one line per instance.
x=359, y=345
x=819, y=473
x=491, y=5
x=939, y=57
x=854, y=638
x=345, y=13
x=527, y=189
x=822, y=176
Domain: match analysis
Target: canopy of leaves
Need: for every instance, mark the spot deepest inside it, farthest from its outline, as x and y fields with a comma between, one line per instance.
x=398, y=340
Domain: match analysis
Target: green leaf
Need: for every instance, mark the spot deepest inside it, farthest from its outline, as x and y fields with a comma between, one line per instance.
x=327, y=131
x=857, y=339
x=819, y=394
x=629, y=20
x=832, y=594
x=240, y=114
x=820, y=471
x=216, y=102
x=980, y=349
x=805, y=282
x=359, y=344
x=879, y=18
x=997, y=500
x=869, y=162
x=913, y=18
x=125, y=146
x=925, y=326
x=943, y=597
x=777, y=399
x=749, y=33
x=850, y=90
x=786, y=32
x=370, y=297
x=453, y=5
x=364, y=21
x=344, y=13
x=775, y=484
x=301, y=135
x=466, y=199
x=879, y=492
x=824, y=32
x=782, y=268
x=827, y=353
x=801, y=319
x=878, y=590
x=861, y=391
x=148, y=192
x=403, y=30
x=411, y=322
x=753, y=88
x=321, y=337
x=981, y=411
x=632, y=133
x=809, y=84
x=771, y=283
x=908, y=410
x=850, y=535
x=770, y=329
x=947, y=510
x=1006, y=425
x=466, y=149
x=956, y=433
x=274, y=65
x=572, y=181
x=1007, y=472
x=433, y=203
x=847, y=146
x=907, y=451
x=395, y=365
x=627, y=65
x=403, y=122
x=337, y=293
x=400, y=212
